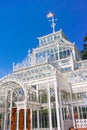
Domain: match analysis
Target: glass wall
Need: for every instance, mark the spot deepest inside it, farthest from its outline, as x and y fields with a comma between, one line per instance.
x=80, y=105
x=53, y=53
x=64, y=52
x=66, y=105
x=44, y=110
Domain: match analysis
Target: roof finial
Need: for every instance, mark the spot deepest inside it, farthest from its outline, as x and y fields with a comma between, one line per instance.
x=51, y=15
x=29, y=52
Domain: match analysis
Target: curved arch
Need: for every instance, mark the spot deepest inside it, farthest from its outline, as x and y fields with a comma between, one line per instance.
x=8, y=80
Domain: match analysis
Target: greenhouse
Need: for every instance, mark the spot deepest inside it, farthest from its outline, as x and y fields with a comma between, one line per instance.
x=47, y=90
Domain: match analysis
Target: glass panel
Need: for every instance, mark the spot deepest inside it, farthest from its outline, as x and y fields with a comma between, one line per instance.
x=73, y=96
x=55, y=49
x=56, y=56
x=68, y=53
x=43, y=96
x=34, y=119
x=64, y=54
x=60, y=55
x=52, y=57
x=43, y=118
x=52, y=95
x=60, y=48
x=78, y=96
x=54, y=118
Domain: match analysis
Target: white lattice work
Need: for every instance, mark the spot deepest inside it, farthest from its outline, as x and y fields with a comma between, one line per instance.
x=77, y=76
x=81, y=123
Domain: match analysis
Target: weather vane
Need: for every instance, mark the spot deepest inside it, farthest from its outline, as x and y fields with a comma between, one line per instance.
x=51, y=15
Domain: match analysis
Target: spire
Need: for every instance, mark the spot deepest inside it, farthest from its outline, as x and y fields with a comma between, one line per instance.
x=51, y=15
x=29, y=52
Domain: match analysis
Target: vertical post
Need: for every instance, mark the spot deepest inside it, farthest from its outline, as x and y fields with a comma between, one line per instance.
x=77, y=107
x=17, y=119
x=51, y=15
x=72, y=107
x=74, y=51
x=57, y=106
x=72, y=62
x=10, y=109
x=58, y=63
x=49, y=107
x=58, y=51
x=5, y=113
x=67, y=110
x=81, y=112
x=53, y=24
x=25, y=109
x=38, y=125
x=61, y=114
x=38, y=119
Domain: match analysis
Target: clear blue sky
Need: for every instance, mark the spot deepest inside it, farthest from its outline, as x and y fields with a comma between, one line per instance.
x=22, y=21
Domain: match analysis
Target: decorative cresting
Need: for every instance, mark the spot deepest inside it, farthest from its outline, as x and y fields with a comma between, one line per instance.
x=77, y=76
x=29, y=61
x=24, y=64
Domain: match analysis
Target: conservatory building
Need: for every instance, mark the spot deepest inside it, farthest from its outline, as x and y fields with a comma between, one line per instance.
x=47, y=90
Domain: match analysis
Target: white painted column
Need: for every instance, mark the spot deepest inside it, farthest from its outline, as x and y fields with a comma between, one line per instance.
x=72, y=107
x=49, y=108
x=61, y=114
x=73, y=52
x=81, y=112
x=58, y=52
x=57, y=107
x=38, y=125
x=25, y=110
x=17, y=119
x=72, y=62
x=5, y=113
x=38, y=119
x=77, y=108
x=67, y=112
x=10, y=109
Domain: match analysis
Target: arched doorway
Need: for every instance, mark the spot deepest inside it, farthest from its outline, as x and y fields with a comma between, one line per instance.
x=10, y=93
